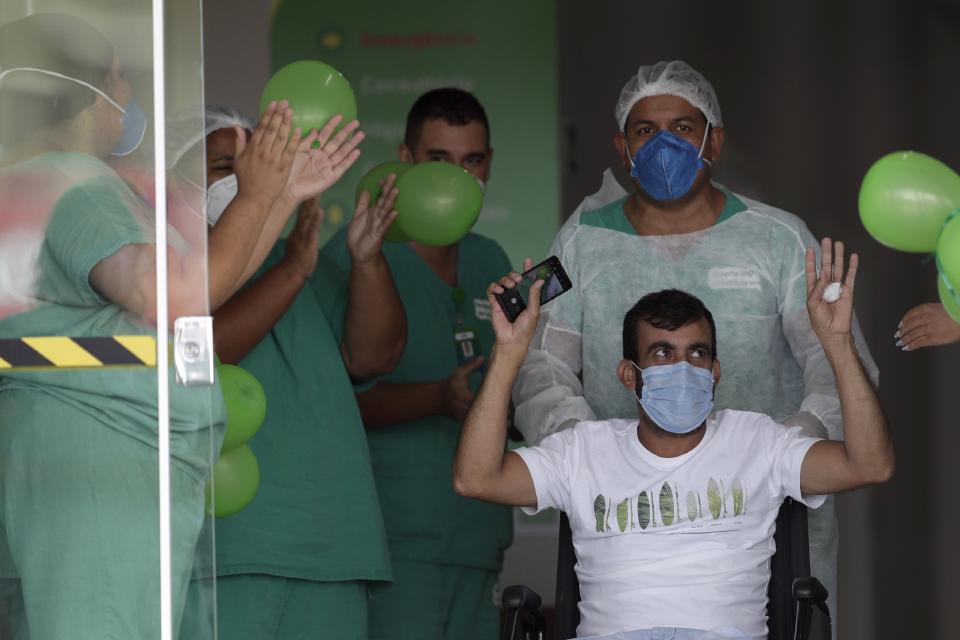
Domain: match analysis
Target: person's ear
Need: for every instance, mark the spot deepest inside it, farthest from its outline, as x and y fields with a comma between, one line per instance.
x=716, y=373
x=714, y=144
x=620, y=144
x=627, y=374
x=404, y=153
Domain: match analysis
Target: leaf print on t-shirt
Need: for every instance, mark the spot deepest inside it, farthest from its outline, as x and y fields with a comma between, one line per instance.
x=693, y=506
x=666, y=505
x=600, y=511
x=739, y=497
x=623, y=510
x=643, y=510
x=714, y=500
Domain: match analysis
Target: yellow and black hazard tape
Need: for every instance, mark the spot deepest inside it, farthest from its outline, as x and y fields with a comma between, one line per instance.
x=61, y=352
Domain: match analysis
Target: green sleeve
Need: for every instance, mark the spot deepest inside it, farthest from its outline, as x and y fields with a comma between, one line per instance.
x=330, y=284
x=89, y=223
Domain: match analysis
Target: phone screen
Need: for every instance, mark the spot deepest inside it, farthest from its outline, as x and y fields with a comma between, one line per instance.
x=550, y=290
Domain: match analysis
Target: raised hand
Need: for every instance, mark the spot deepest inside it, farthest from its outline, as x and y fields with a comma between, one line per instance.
x=519, y=333
x=928, y=325
x=830, y=320
x=369, y=226
x=303, y=244
x=321, y=160
x=263, y=163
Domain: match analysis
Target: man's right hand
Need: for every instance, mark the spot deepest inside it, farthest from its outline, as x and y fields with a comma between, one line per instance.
x=263, y=163
x=457, y=395
x=516, y=335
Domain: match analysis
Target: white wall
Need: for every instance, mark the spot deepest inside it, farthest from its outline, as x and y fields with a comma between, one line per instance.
x=236, y=52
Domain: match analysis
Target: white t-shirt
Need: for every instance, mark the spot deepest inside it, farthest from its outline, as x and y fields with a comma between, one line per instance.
x=672, y=542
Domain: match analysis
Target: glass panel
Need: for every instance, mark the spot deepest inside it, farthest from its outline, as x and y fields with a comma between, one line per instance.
x=79, y=501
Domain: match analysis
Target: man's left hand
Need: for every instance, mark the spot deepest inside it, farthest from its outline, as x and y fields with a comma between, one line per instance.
x=831, y=321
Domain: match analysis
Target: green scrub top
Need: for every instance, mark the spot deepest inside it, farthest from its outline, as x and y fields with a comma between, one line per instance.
x=95, y=217
x=613, y=216
x=316, y=515
x=413, y=461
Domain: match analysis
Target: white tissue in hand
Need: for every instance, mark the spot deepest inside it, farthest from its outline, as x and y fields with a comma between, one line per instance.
x=832, y=292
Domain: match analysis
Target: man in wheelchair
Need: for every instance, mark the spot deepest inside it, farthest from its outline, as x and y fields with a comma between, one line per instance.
x=673, y=513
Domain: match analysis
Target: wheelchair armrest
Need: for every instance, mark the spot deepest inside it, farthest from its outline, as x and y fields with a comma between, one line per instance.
x=809, y=588
x=520, y=596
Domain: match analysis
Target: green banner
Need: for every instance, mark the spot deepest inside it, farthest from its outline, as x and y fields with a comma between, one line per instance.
x=392, y=52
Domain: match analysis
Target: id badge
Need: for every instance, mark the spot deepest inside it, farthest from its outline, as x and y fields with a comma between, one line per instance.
x=467, y=344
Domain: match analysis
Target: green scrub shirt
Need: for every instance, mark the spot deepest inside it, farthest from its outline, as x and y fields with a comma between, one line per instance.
x=613, y=216
x=78, y=447
x=316, y=515
x=89, y=223
x=426, y=521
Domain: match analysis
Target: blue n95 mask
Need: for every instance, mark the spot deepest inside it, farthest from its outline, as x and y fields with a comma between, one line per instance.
x=677, y=397
x=666, y=165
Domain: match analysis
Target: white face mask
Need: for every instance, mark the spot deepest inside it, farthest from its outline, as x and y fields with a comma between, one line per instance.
x=219, y=195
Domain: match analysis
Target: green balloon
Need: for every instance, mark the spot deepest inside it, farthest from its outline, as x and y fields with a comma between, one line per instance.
x=371, y=182
x=236, y=478
x=246, y=405
x=948, y=249
x=949, y=299
x=316, y=92
x=438, y=203
x=904, y=199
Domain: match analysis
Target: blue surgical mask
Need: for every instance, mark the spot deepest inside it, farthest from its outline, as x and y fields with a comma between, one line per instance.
x=677, y=397
x=134, y=120
x=666, y=165
x=134, y=127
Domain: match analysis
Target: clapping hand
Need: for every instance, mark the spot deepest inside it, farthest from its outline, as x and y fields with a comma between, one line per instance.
x=322, y=158
x=369, y=226
x=263, y=164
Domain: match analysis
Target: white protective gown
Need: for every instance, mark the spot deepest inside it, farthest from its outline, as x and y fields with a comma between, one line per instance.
x=747, y=269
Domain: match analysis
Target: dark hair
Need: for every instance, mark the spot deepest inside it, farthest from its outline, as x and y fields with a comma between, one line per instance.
x=453, y=106
x=669, y=309
x=54, y=42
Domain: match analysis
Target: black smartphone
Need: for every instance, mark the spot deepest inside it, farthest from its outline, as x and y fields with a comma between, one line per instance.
x=550, y=271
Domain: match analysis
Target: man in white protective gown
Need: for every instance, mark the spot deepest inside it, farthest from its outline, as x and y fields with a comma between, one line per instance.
x=679, y=230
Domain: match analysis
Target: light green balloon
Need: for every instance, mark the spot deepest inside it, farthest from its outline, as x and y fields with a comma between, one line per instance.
x=904, y=199
x=236, y=478
x=949, y=299
x=948, y=249
x=439, y=203
x=371, y=182
x=316, y=92
x=246, y=404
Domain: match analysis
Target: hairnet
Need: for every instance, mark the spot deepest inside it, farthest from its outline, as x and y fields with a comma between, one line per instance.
x=675, y=78
x=61, y=44
x=183, y=131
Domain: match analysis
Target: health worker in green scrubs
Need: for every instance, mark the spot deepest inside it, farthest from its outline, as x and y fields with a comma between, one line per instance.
x=299, y=560
x=447, y=550
x=79, y=528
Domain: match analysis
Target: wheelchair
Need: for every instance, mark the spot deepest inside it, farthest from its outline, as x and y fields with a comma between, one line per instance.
x=796, y=602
